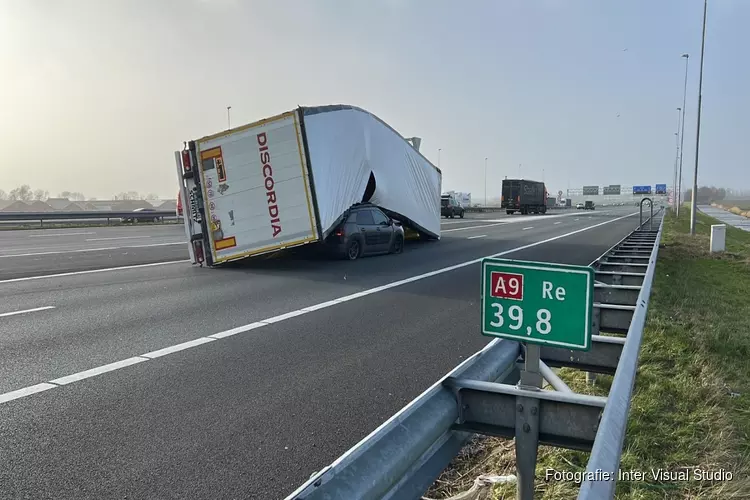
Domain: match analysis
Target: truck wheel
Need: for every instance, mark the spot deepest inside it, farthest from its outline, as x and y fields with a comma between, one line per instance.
x=353, y=250
x=509, y=212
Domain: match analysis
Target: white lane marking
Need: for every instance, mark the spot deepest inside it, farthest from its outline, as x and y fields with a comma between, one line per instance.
x=118, y=238
x=97, y=371
x=528, y=218
x=55, y=235
x=475, y=237
x=239, y=329
x=558, y=222
x=281, y=317
x=576, y=219
x=33, y=254
x=527, y=228
x=92, y=271
x=462, y=221
x=473, y=227
x=26, y=391
x=175, y=348
x=14, y=313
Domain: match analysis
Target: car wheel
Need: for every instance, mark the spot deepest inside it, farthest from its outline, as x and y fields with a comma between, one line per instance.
x=398, y=244
x=462, y=215
x=353, y=250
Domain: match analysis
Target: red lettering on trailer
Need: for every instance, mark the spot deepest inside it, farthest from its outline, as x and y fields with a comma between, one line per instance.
x=265, y=160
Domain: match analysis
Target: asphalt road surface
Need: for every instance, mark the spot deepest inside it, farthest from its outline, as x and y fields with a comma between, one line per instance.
x=45, y=251
x=172, y=381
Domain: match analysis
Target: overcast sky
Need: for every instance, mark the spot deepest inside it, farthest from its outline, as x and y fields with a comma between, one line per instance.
x=96, y=95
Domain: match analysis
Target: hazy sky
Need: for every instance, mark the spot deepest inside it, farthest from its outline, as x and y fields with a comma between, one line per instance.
x=96, y=95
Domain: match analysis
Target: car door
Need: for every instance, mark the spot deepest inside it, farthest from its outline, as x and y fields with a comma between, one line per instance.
x=369, y=230
x=385, y=229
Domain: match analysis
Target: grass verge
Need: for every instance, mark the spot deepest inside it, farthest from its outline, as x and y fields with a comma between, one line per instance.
x=690, y=409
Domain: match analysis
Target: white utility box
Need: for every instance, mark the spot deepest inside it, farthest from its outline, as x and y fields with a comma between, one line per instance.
x=718, y=237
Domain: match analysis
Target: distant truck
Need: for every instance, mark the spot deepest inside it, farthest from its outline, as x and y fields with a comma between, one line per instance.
x=568, y=203
x=525, y=196
x=588, y=205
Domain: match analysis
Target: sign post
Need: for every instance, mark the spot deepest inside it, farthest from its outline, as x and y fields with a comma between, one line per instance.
x=535, y=303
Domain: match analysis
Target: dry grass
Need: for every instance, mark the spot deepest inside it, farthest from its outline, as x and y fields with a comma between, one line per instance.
x=736, y=207
x=691, y=402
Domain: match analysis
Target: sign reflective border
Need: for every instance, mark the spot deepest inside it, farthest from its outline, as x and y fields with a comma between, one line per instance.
x=538, y=302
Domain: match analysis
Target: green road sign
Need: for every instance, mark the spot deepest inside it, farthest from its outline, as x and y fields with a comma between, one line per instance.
x=537, y=302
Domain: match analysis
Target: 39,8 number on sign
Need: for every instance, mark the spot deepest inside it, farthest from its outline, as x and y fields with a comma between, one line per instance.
x=515, y=319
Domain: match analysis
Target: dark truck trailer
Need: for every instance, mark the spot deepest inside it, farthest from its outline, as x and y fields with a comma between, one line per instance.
x=520, y=195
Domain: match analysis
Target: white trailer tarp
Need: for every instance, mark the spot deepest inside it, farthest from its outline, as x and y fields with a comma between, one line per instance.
x=347, y=145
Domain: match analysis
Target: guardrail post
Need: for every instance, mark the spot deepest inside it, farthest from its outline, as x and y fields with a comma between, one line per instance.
x=527, y=424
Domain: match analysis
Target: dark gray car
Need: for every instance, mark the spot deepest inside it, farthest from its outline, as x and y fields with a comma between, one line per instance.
x=367, y=230
x=142, y=215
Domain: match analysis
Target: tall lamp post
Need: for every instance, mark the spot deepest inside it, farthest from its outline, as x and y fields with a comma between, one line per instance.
x=229, y=122
x=682, y=136
x=694, y=197
x=439, y=150
x=676, y=160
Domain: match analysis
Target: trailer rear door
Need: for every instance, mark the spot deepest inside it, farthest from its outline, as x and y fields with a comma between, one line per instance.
x=256, y=189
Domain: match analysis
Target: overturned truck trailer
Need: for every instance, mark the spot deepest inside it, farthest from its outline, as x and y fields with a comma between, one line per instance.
x=290, y=180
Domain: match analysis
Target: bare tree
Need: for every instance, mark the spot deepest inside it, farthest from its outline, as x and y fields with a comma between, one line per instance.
x=77, y=196
x=21, y=193
x=65, y=194
x=152, y=197
x=3, y=195
x=41, y=195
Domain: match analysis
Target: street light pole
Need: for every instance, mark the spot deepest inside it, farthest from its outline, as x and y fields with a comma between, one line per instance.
x=485, y=182
x=676, y=160
x=439, y=150
x=229, y=123
x=682, y=136
x=694, y=197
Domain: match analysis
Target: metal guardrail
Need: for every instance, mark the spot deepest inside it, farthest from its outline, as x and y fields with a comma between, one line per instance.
x=108, y=215
x=607, y=449
x=404, y=456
